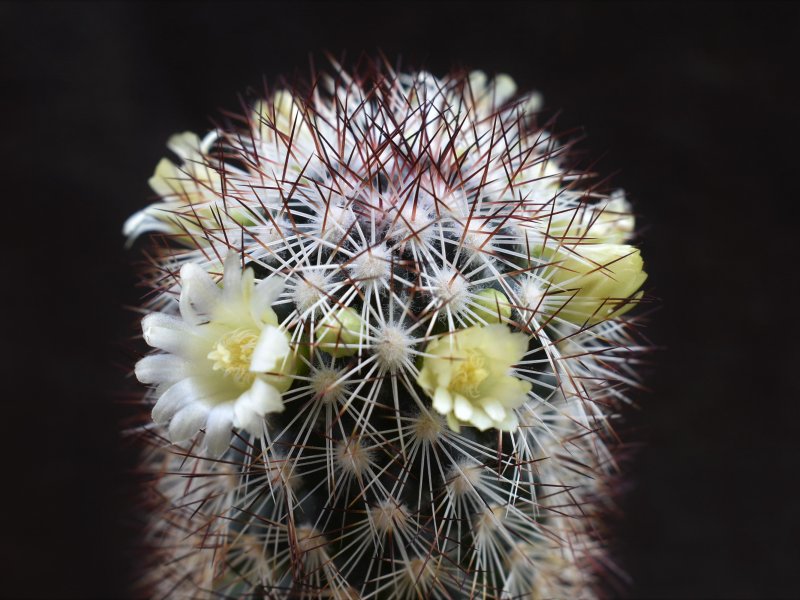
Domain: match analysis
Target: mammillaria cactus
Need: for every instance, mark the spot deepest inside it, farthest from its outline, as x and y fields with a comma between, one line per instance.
x=391, y=338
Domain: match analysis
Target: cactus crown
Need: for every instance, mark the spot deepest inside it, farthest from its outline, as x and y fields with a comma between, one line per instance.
x=390, y=359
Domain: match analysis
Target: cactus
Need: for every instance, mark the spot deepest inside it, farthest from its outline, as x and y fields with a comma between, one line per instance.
x=391, y=340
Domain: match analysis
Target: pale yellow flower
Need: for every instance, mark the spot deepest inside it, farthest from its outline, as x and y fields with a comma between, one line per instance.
x=186, y=184
x=190, y=191
x=225, y=361
x=468, y=374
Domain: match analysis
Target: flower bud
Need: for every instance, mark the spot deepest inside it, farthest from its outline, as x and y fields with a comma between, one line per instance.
x=339, y=333
x=491, y=305
x=602, y=280
x=281, y=114
x=615, y=222
x=609, y=223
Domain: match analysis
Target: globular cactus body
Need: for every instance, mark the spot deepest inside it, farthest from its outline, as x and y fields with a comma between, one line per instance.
x=390, y=344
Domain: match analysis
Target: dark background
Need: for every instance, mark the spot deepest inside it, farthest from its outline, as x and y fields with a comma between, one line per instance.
x=695, y=107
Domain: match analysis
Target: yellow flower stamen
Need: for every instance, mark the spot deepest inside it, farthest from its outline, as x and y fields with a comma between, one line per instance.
x=233, y=354
x=469, y=374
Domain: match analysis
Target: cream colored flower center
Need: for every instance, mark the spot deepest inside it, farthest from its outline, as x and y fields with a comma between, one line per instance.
x=233, y=353
x=469, y=374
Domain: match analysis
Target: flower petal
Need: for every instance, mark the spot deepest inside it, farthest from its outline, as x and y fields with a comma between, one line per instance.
x=218, y=429
x=510, y=391
x=163, y=180
x=165, y=332
x=462, y=408
x=266, y=292
x=143, y=221
x=510, y=423
x=270, y=351
x=503, y=346
x=481, y=420
x=246, y=418
x=232, y=279
x=199, y=294
x=186, y=145
x=266, y=398
x=452, y=423
x=442, y=401
x=174, y=399
x=494, y=409
x=252, y=405
x=161, y=368
x=504, y=88
x=188, y=421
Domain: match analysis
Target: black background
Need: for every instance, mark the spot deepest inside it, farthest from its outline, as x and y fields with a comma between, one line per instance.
x=695, y=107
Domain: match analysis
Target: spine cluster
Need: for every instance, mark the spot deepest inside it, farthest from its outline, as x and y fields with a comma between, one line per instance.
x=391, y=338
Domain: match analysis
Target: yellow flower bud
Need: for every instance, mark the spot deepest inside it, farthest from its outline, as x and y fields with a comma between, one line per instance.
x=491, y=305
x=282, y=114
x=604, y=279
x=609, y=223
x=339, y=333
x=615, y=222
